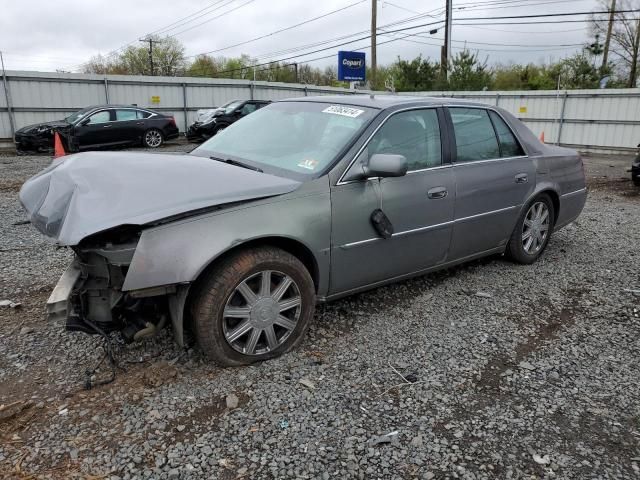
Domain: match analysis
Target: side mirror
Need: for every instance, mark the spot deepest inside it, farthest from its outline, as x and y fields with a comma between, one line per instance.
x=386, y=165
x=84, y=122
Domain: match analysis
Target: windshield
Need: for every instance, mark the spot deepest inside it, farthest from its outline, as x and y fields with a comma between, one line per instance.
x=299, y=137
x=74, y=117
x=230, y=107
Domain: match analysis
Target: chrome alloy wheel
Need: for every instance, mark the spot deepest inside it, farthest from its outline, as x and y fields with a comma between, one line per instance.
x=153, y=138
x=535, y=228
x=261, y=312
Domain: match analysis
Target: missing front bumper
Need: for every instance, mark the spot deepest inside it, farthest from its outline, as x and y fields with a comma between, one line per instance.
x=59, y=306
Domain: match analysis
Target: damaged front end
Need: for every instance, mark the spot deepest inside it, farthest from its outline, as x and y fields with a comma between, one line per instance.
x=90, y=297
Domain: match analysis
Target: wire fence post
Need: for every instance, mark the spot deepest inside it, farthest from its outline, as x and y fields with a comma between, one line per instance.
x=252, y=91
x=497, y=99
x=564, y=105
x=7, y=96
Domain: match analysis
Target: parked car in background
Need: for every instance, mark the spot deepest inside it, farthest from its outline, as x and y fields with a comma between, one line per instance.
x=635, y=169
x=221, y=118
x=306, y=200
x=100, y=126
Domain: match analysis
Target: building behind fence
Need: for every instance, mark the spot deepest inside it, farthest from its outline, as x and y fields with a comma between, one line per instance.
x=600, y=120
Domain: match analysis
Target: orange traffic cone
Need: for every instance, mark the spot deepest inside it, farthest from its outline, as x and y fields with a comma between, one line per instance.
x=58, y=149
x=542, y=137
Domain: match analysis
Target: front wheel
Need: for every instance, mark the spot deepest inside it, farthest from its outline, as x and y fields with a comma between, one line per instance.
x=533, y=231
x=152, y=138
x=255, y=305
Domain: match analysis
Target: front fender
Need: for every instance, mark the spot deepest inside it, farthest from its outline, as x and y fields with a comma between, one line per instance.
x=178, y=252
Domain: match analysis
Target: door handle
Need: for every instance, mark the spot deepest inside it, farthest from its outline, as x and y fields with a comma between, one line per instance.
x=106, y=126
x=522, y=178
x=437, y=192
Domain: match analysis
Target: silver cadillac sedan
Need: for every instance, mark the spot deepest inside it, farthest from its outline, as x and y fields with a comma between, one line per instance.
x=305, y=201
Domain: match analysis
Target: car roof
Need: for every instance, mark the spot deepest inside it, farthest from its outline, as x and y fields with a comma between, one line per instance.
x=381, y=102
x=112, y=105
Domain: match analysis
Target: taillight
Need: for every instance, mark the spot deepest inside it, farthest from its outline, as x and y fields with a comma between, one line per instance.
x=173, y=121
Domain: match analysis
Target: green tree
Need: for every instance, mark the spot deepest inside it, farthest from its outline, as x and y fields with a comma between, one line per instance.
x=467, y=72
x=168, y=60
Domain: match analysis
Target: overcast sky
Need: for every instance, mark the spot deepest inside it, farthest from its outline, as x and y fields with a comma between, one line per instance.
x=47, y=35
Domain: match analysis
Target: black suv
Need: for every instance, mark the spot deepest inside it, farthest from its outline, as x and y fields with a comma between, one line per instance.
x=222, y=117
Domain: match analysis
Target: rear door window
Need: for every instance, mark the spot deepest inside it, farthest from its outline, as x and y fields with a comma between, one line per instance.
x=509, y=146
x=125, y=115
x=475, y=137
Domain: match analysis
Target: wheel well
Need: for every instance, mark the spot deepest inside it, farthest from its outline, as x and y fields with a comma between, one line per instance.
x=555, y=199
x=295, y=248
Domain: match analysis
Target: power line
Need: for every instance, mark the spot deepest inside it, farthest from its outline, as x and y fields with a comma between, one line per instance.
x=278, y=31
x=214, y=18
x=425, y=25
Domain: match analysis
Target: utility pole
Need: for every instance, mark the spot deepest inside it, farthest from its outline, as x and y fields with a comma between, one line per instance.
x=295, y=65
x=446, y=49
x=607, y=42
x=374, y=28
x=151, y=41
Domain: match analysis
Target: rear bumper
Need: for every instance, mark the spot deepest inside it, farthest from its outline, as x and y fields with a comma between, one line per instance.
x=635, y=172
x=571, y=206
x=171, y=133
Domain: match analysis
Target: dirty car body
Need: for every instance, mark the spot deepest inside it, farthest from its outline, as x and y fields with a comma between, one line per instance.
x=328, y=197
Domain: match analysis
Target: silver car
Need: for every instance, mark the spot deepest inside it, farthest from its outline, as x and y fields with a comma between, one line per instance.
x=305, y=201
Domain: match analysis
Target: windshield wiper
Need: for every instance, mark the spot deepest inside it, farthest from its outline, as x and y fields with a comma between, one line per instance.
x=237, y=163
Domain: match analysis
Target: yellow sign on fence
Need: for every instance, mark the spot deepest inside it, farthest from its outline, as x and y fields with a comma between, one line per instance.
x=155, y=99
x=523, y=109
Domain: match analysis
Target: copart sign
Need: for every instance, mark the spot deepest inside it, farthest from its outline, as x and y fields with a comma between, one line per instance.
x=351, y=66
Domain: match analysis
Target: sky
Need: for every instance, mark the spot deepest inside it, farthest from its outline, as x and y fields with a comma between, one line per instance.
x=64, y=34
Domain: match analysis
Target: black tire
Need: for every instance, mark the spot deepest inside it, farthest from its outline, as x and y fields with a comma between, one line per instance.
x=152, y=138
x=218, y=287
x=515, y=249
x=636, y=181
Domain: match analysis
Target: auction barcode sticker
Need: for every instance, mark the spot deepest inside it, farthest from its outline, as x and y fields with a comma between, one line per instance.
x=341, y=110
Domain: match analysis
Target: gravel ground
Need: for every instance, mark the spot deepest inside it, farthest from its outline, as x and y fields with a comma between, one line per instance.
x=489, y=370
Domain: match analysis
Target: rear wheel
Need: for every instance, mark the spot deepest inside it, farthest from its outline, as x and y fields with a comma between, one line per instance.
x=533, y=231
x=152, y=138
x=253, y=306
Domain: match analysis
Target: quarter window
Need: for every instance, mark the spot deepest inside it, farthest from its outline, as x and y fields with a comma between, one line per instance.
x=415, y=134
x=475, y=136
x=101, y=117
x=124, y=115
x=142, y=114
x=509, y=146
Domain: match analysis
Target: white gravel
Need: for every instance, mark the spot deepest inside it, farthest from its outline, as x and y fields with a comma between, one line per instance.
x=489, y=370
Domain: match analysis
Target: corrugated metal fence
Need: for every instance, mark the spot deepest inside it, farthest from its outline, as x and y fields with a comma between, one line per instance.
x=605, y=120
x=598, y=120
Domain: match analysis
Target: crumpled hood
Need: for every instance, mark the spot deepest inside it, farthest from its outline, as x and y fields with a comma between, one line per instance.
x=86, y=193
x=44, y=126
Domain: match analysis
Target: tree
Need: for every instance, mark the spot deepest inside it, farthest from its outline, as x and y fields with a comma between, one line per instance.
x=204, y=66
x=625, y=37
x=467, y=72
x=168, y=59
